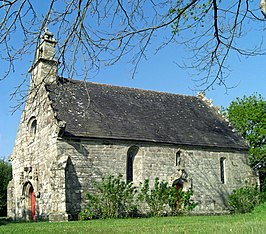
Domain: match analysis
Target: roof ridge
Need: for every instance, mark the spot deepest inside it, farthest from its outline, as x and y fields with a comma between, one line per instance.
x=129, y=88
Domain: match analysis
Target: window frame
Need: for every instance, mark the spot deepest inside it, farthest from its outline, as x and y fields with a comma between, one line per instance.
x=222, y=170
x=32, y=127
x=131, y=153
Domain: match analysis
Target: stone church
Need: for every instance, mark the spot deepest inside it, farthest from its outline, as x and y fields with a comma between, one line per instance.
x=73, y=132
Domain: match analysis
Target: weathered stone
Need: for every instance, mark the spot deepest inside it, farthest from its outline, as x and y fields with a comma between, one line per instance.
x=53, y=171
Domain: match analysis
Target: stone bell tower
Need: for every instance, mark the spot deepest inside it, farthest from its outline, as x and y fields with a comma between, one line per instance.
x=44, y=68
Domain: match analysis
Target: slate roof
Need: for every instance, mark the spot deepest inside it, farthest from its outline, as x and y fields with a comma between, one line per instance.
x=112, y=112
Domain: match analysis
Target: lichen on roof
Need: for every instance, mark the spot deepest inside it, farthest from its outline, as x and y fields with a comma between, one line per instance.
x=112, y=112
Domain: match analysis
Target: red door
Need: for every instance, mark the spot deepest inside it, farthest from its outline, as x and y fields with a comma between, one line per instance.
x=178, y=187
x=33, y=208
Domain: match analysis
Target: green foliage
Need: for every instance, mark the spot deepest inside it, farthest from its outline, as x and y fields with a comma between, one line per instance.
x=159, y=199
x=185, y=203
x=5, y=177
x=193, y=17
x=261, y=209
x=163, y=199
x=113, y=198
x=244, y=200
x=248, y=115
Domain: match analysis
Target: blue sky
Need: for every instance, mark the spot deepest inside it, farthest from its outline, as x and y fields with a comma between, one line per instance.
x=159, y=73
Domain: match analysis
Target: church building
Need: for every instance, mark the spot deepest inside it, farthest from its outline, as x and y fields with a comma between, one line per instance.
x=73, y=133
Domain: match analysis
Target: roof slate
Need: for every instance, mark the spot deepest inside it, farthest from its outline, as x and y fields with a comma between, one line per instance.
x=112, y=112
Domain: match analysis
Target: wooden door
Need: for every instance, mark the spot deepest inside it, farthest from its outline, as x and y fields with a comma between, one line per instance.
x=32, y=204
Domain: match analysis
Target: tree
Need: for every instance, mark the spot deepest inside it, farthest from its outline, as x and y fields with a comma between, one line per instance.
x=5, y=177
x=101, y=33
x=248, y=115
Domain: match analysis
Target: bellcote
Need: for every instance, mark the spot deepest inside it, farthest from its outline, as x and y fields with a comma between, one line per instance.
x=44, y=68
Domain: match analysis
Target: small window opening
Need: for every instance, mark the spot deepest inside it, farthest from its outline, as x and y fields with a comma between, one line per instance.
x=131, y=153
x=178, y=158
x=222, y=170
x=41, y=52
x=32, y=127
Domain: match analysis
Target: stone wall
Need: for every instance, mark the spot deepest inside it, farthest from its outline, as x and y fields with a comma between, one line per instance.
x=34, y=162
x=90, y=160
x=61, y=170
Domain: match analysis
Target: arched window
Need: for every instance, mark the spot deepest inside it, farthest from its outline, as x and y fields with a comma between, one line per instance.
x=32, y=127
x=222, y=170
x=178, y=158
x=131, y=153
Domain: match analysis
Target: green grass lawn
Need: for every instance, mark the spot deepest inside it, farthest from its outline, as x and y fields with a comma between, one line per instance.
x=247, y=223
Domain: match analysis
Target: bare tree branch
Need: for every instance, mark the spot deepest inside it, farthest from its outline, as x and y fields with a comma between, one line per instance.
x=100, y=33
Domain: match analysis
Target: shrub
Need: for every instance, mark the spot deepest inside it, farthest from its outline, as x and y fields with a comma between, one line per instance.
x=159, y=199
x=163, y=199
x=185, y=203
x=260, y=210
x=5, y=177
x=112, y=198
x=245, y=199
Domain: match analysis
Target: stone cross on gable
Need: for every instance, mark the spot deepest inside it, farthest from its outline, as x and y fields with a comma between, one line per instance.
x=48, y=36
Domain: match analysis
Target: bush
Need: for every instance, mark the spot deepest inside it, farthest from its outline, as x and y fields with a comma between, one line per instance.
x=5, y=177
x=245, y=199
x=159, y=199
x=260, y=210
x=114, y=198
x=185, y=203
x=164, y=199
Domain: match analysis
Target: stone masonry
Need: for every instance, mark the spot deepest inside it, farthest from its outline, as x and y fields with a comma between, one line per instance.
x=91, y=160
x=55, y=161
